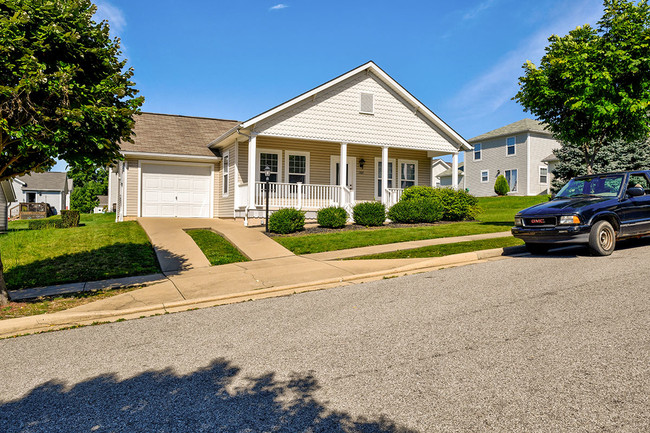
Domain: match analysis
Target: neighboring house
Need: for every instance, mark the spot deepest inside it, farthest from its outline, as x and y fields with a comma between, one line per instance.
x=49, y=187
x=518, y=151
x=102, y=206
x=7, y=195
x=444, y=178
x=438, y=166
x=182, y=166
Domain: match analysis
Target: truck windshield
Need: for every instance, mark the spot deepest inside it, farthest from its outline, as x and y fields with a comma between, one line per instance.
x=597, y=186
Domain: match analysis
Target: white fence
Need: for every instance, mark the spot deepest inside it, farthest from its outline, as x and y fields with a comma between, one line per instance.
x=298, y=195
x=393, y=195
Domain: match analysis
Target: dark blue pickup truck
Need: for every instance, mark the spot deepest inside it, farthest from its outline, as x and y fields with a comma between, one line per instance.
x=595, y=210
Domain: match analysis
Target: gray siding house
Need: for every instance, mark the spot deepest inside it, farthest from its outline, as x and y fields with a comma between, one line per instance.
x=7, y=195
x=50, y=187
x=520, y=151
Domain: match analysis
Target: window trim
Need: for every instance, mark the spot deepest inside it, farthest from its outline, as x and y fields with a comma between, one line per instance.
x=517, y=184
x=258, y=159
x=514, y=146
x=287, y=153
x=480, y=152
x=373, y=102
x=399, y=170
x=225, y=174
x=378, y=173
x=543, y=167
x=487, y=176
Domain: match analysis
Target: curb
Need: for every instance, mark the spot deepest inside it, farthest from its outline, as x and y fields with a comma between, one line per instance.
x=47, y=322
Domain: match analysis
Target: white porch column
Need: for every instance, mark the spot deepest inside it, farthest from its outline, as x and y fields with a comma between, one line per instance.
x=384, y=174
x=252, y=169
x=454, y=170
x=343, y=161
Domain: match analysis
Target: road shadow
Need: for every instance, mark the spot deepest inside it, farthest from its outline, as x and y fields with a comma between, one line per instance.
x=111, y=261
x=212, y=399
x=572, y=251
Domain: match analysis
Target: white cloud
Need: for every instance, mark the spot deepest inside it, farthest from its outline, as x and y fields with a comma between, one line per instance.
x=472, y=13
x=498, y=84
x=112, y=14
x=278, y=6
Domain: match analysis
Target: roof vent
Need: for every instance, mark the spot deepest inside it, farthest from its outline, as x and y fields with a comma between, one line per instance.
x=367, y=103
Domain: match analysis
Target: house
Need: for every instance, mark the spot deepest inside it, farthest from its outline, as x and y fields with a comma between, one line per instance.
x=519, y=151
x=444, y=178
x=7, y=195
x=50, y=187
x=438, y=166
x=332, y=145
x=102, y=205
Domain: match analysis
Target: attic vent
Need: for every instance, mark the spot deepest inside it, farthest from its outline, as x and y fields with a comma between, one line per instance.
x=367, y=105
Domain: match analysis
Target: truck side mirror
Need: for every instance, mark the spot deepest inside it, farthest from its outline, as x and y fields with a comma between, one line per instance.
x=635, y=192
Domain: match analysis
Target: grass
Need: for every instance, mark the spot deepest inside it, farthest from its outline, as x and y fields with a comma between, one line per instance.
x=53, y=304
x=216, y=248
x=497, y=216
x=100, y=249
x=445, y=249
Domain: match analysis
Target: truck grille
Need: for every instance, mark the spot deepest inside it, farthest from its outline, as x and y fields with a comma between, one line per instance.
x=540, y=222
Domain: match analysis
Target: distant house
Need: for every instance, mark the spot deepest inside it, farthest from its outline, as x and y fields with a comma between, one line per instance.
x=438, y=166
x=445, y=178
x=520, y=151
x=51, y=187
x=7, y=195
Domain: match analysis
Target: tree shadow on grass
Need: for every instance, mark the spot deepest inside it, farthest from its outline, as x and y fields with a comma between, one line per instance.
x=211, y=399
x=112, y=261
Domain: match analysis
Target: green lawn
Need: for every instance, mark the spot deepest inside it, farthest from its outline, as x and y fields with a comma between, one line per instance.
x=97, y=250
x=216, y=248
x=446, y=249
x=497, y=216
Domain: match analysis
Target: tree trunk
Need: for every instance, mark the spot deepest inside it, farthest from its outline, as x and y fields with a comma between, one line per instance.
x=4, y=295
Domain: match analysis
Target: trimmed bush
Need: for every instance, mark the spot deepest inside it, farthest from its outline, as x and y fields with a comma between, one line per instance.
x=419, y=210
x=458, y=205
x=332, y=217
x=69, y=218
x=417, y=192
x=371, y=213
x=287, y=220
x=45, y=224
x=501, y=185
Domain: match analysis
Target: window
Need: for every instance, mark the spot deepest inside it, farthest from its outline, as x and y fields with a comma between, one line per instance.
x=477, y=152
x=270, y=158
x=511, y=177
x=543, y=175
x=367, y=103
x=408, y=173
x=297, y=167
x=485, y=176
x=510, y=146
x=226, y=172
x=31, y=197
x=378, y=172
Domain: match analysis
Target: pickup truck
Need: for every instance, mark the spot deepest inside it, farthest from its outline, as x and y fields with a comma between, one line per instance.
x=595, y=210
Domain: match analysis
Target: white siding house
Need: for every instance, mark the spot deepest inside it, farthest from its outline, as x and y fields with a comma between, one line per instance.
x=518, y=151
x=49, y=187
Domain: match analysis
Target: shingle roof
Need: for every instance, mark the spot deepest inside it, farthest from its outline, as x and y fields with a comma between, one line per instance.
x=176, y=135
x=48, y=181
x=523, y=125
x=446, y=173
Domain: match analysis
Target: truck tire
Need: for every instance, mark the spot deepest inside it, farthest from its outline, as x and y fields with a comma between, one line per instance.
x=602, y=239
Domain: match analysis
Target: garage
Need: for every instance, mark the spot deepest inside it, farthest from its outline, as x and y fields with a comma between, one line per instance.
x=176, y=190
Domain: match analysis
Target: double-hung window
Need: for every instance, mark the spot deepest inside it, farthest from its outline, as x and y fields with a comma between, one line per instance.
x=477, y=151
x=408, y=173
x=297, y=167
x=379, y=185
x=511, y=177
x=226, y=173
x=510, y=146
x=269, y=159
x=543, y=175
x=485, y=176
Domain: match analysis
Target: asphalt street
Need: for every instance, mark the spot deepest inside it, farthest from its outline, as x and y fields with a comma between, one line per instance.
x=559, y=343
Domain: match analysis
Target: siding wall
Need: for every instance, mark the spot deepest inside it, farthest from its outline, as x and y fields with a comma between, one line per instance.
x=226, y=205
x=3, y=211
x=494, y=158
x=541, y=146
x=132, y=187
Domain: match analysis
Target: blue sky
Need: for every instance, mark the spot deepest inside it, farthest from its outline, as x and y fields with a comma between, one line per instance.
x=235, y=59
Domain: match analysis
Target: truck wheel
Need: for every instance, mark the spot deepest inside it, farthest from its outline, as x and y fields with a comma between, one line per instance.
x=537, y=248
x=602, y=239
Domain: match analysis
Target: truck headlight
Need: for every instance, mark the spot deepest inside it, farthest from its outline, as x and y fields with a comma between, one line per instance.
x=569, y=219
x=518, y=221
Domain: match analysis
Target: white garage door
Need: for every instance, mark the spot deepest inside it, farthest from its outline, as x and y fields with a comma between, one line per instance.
x=175, y=190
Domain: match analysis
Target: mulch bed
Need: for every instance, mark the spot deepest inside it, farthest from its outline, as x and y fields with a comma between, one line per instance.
x=315, y=229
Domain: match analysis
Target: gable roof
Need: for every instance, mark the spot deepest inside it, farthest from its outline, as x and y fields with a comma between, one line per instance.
x=54, y=181
x=418, y=106
x=448, y=172
x=175, y=134
x=523, y=125
x=437, y=161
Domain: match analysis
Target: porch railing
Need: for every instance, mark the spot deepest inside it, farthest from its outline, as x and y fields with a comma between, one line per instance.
x=393, y=195
x=298, y=195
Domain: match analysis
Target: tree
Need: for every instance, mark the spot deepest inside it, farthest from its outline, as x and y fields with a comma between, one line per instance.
x=64, y=91
x=501, y=185
x=88, y=184
x=592, y=87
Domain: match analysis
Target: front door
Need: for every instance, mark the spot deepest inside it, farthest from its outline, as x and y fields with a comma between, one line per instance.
x=350, y=174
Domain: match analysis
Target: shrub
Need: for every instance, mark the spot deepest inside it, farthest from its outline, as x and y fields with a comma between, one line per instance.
x=287, y=220
x=69, y=218
x=332, y=217
x=371, y=213
x=44, y=224
x=458, y=205
x=419, y=210
x=417, y=191
x=501, y=185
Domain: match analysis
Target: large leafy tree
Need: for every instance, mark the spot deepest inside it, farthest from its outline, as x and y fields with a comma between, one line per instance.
x=592, y=87
x=64, y=91
x=88, y=184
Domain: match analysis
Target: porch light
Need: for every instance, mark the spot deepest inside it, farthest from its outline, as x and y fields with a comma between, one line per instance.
x=267, y=172
x=361, y=163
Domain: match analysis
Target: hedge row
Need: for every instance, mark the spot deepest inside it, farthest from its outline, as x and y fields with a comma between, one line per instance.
x=69, y=218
